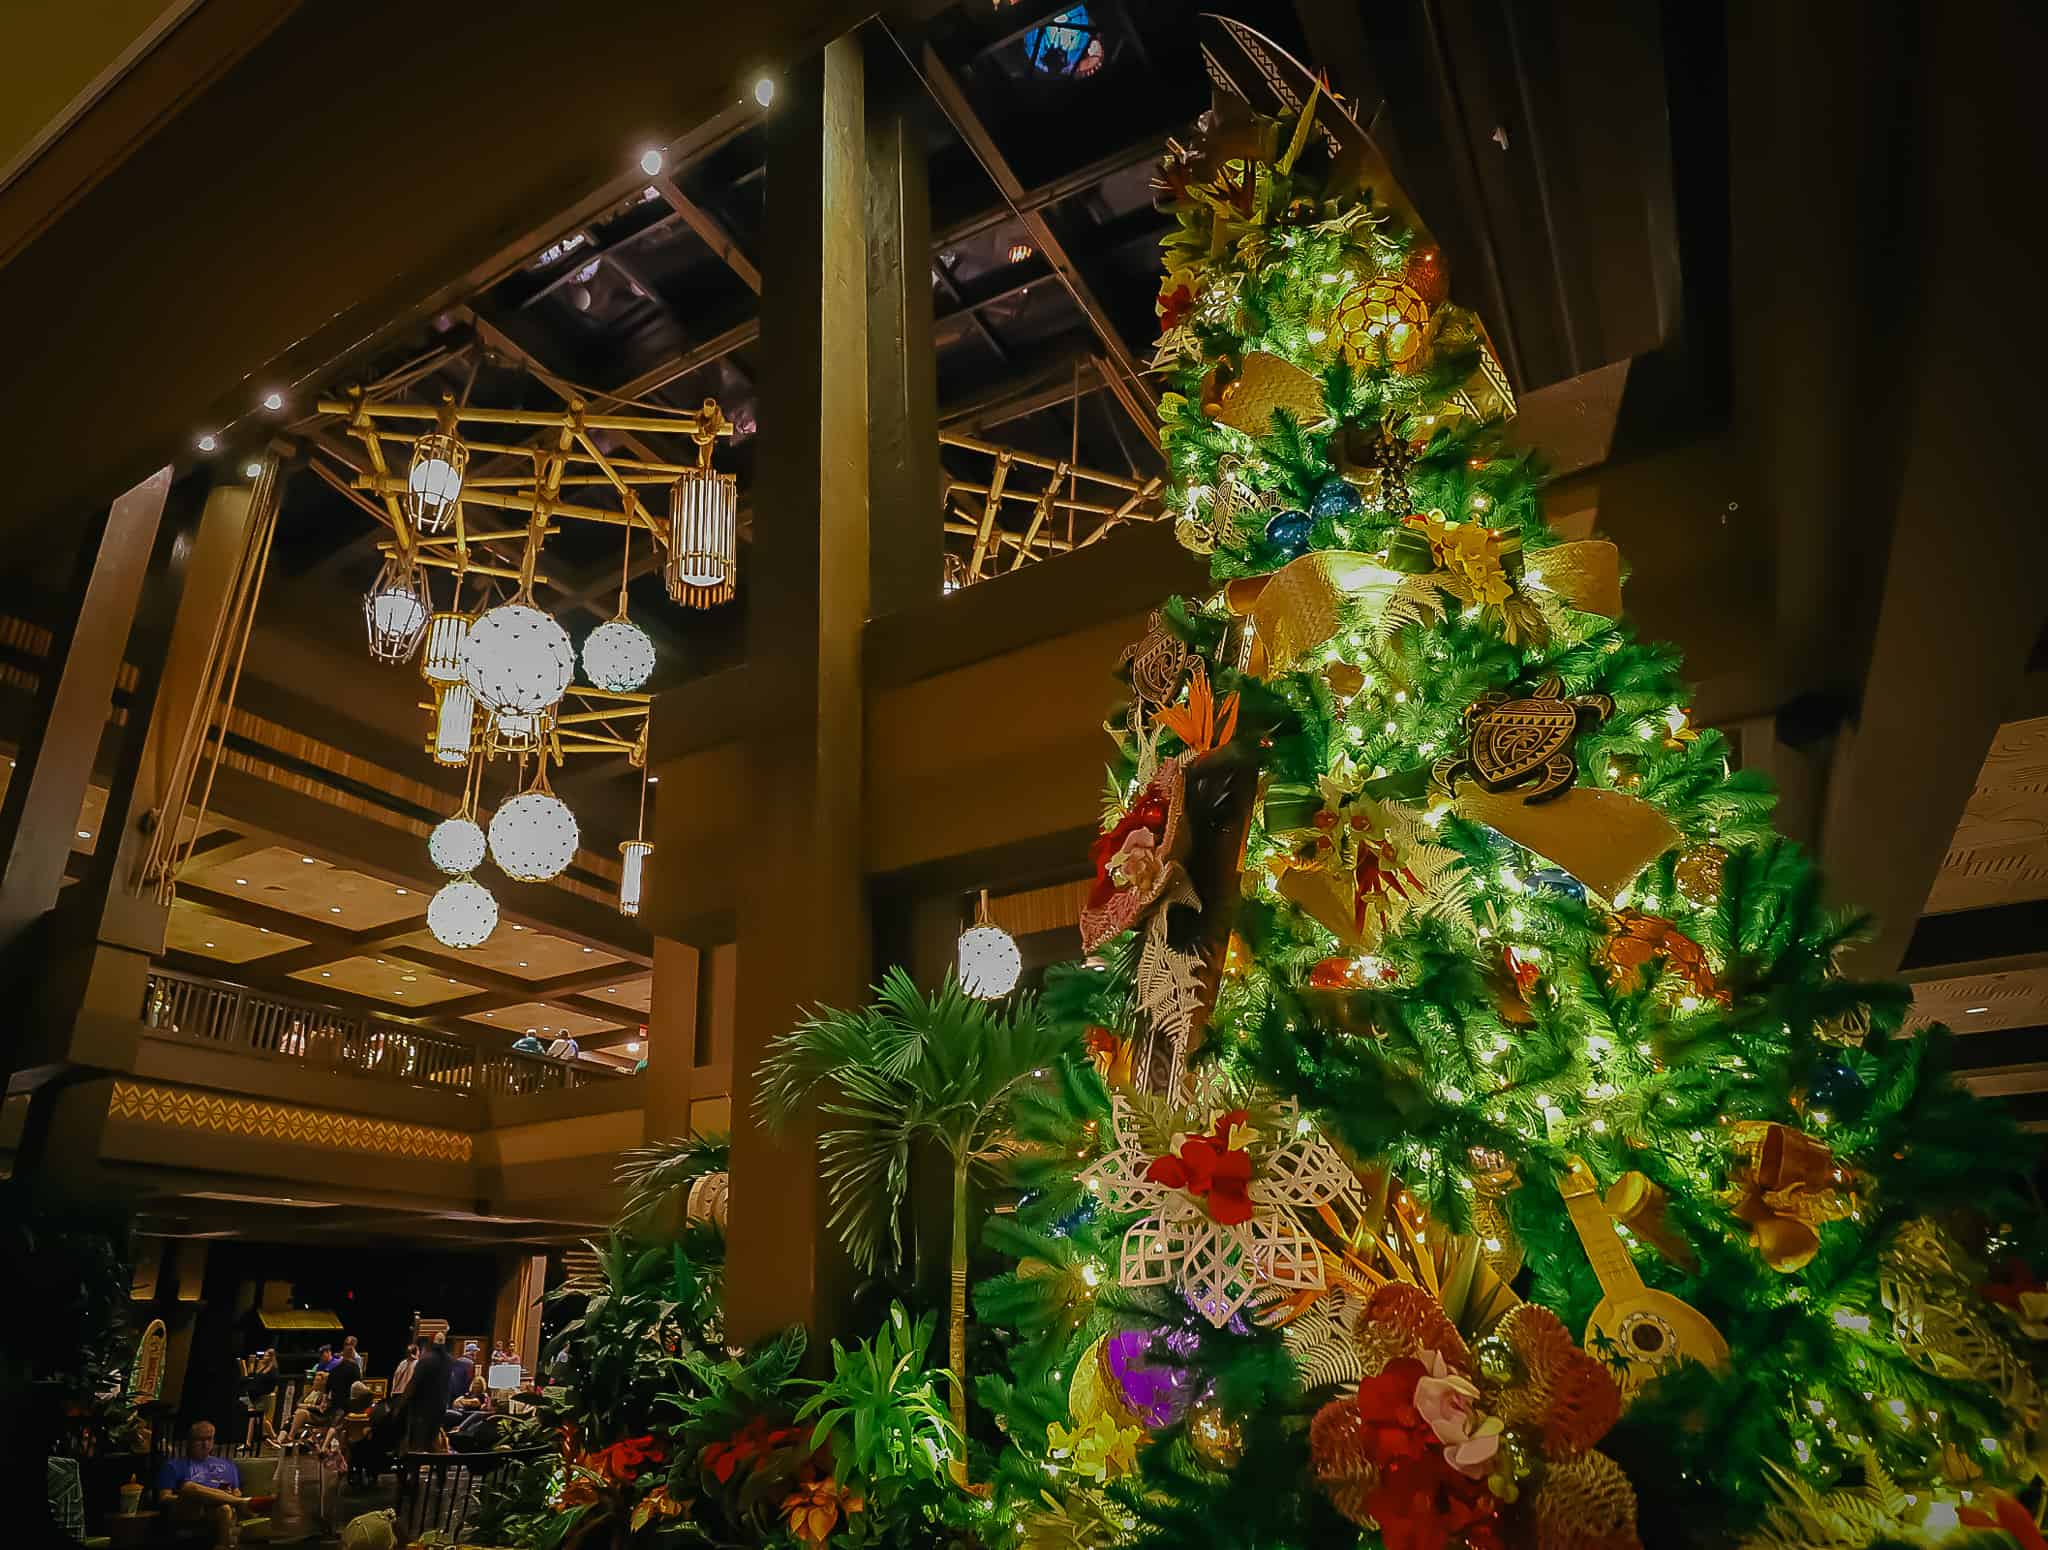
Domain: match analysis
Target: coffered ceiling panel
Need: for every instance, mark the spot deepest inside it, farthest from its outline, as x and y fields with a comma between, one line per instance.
x=300, y=884
x=518, y=951
x=539, y=1019
x=2000, y=851
x=636, y=993
x=391, y=980
x=194, y=930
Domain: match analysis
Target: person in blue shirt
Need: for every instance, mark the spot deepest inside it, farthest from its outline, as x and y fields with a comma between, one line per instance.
x=527, y=1044
x=327, y=1359
x=199, y=1486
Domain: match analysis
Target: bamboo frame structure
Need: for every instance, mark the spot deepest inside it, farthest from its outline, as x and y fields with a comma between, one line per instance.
x=1059, y=497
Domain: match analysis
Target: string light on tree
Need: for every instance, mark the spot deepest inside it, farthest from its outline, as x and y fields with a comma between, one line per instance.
x=990, y=963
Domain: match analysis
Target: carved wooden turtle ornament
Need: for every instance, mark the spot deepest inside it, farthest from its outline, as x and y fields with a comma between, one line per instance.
x=1525, y=744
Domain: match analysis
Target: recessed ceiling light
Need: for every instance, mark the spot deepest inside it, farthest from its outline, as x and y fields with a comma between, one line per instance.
x=325, y=975
x=241, y=882
x=85, y=834
x=650, y=162
x=209, y=944
x=633, y=1048
x=654, y=780
x=1972, y=1011
x=252, y=471
x=307, y=859
x=764, y=91
x=334, y=909
x=408, y=978
x=590, y=949
x=611, y=990
x=207, y=442
x=401, y=893
x=273, y=401
x=519, y=928
x=264, y=929
x=522, y=963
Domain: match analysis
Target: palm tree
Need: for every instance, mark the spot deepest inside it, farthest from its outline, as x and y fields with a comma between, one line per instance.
x=944, y=1068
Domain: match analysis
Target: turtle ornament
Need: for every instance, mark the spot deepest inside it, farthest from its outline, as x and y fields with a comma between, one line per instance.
x=1525, y=745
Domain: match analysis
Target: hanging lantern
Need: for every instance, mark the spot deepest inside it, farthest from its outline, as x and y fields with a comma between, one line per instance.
x=441, y=663
x=462, y=914
x=618, y=656
x=703, y=524
x=518, y=731
x=633, y=856
x=395, y=609
x=454, y=723
x=456, y=845
x=989, y=961
x=517, y=658
x=534, y=836
x=431, y=489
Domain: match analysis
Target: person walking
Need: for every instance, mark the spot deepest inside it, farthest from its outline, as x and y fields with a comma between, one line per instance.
x=426, y=1398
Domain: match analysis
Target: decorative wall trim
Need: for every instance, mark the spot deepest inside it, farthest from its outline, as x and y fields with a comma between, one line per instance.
x=185, y=1108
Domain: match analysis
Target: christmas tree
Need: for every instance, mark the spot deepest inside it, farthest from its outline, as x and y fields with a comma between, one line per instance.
x=1478, y=1144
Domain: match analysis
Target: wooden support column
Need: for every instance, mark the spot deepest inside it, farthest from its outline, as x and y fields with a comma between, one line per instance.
x=906, y=546
x=802, y=917
x=55, y=763
x=671, y=1043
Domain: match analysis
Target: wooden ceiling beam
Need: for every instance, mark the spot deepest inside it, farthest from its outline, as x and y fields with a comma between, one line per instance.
x=1126, y=378
x=712, y=230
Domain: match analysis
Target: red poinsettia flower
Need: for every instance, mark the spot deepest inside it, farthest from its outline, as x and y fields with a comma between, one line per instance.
x=1210, y=1168
x=1420, y=1501
x=2014, y=1280
x=1173, y=308
x=623, y=1460
x=747, y=1446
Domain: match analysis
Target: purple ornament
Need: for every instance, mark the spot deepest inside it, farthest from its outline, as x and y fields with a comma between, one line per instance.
x=1152, y=1385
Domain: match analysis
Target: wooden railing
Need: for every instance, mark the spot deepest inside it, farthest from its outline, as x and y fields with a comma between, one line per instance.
x=326, y=1038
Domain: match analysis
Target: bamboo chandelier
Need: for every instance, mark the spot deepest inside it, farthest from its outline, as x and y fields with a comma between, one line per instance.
x=503, y=677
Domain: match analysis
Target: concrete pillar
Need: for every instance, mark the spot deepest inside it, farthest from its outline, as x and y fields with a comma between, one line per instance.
x=802, y=916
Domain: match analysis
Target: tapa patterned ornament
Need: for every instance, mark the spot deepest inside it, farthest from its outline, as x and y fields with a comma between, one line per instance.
x=1219, y=1264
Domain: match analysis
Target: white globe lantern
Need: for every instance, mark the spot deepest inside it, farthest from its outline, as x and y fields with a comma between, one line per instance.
x=533, y=837
x=435, y=481
x=517, y=658
x=456, y=846
x=618, y=656
x=395, y=610
x=989, y=961
x=462, y=914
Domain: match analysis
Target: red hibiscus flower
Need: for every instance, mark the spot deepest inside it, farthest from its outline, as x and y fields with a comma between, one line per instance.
x=1210, y=1168
x=1148, y=812
x=2015, y=1278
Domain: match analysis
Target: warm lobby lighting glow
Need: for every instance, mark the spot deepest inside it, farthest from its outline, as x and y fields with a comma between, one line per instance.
x=435, y=481
x=618, y=656
x=517, y=658
x=456, y=846
x=462, y=914
x=764, y=91
x=533, y=837
x=633, y=858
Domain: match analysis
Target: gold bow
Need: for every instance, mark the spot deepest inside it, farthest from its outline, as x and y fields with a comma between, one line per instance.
x=1791, y=1184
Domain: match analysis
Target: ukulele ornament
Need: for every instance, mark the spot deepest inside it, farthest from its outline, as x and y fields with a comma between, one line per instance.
x=1639, y=1332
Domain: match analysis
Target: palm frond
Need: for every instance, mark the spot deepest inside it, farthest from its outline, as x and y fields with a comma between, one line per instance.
x=652, y=1175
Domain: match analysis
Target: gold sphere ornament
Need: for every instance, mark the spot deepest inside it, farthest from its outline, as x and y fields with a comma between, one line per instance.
x=1697, y=875
x=1497, y=1361
x=1383, y=322
x=1217, y=1440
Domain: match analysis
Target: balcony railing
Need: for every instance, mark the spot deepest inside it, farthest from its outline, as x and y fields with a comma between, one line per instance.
x=326, y=1038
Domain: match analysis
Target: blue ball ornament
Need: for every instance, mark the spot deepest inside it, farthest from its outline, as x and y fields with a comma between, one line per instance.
x=1836, y=1089
x=1336, y=499
x=1289, y=533
x=1558, y=880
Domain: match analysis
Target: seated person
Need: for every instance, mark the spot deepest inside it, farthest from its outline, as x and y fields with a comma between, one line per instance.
x=199, y=1487
x=472, y=1406
x=312, y=1408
